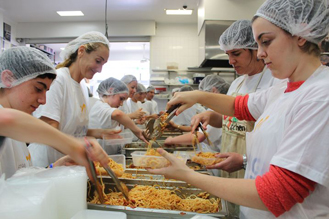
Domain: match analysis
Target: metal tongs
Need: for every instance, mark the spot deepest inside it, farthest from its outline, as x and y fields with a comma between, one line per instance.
x=206, y=135
x=155, y=127
x=121, y=186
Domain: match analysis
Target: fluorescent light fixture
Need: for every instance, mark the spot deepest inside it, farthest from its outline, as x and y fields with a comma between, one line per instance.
x=178, y=12
x=70, y=13
x=62, y=48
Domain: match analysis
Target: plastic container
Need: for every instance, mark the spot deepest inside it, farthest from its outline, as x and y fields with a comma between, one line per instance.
x=206, y=161
x=154, y=162
x=96, y=214
x=120, y=159
x=126, y=135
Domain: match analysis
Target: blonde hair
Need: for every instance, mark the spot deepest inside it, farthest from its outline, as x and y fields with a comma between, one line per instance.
x=89, y=47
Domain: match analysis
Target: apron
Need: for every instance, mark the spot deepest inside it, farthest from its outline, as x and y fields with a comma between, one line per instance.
x=234, y=140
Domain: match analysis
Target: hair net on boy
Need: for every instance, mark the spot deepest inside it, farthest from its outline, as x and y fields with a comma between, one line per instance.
x=308, y=19
x=238, y=36
x=90, y=37
x=214, y=81
x=186, y=88
x=127, y=79
x=140, y=88
x=25, y=63
x=150, y=88
x=112, y=86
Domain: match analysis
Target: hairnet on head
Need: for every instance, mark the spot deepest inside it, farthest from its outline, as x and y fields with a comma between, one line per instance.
x=186, y=88
x=308, y=19
x=90, y=37
x=214, y=81
x=140, y=88
x=112, y=86
x=238, y=36
x=127, y=79
x=25, y=63
x=150, y=88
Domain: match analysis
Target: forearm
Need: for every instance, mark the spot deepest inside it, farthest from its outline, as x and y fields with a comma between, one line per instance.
x=184, y=139
x=24, y=127
x=96, y=133
x=215, y=119
x=125, y=120
x=240, y=191
x=220, y=103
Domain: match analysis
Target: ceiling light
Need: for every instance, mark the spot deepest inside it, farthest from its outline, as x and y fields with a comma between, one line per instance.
x=183, y=11
x=70, y=13
x=178, y=12
x=62, y=48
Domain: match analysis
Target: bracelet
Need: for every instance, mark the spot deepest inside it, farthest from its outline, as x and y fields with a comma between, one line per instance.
x=244, y=161
x=51, y=165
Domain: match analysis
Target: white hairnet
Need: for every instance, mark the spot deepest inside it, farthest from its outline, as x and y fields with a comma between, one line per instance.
x=150, y=88
x=25, y=63
x=214, y=81
x=186, y=88
x=140, y=88
x=238, y=36
x=90, y=37
x=308, y=19
x=127, y=79
x=175, y=90
x=112, y=86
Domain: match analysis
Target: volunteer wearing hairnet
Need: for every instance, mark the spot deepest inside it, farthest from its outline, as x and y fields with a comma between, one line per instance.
x=131, y=83
x=26, y=75
x=287, y=152
x=66, y=107
x=135, y=102
x=150, y=91
x=183, y=120
x=214, y=84
x=105, y=113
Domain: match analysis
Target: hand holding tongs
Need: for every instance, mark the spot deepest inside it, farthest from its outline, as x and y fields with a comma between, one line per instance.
x=206, y=135
x=121, y=186
x=155, y=127
x=95, y=181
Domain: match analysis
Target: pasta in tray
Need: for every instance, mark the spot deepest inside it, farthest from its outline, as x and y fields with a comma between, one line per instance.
x=117, y=168
x=156, y=198
x=206, y=158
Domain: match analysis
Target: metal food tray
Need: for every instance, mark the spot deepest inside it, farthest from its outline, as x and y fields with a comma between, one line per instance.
x=184, y=189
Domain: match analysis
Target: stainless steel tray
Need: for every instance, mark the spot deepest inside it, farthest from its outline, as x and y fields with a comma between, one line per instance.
x=184, y=189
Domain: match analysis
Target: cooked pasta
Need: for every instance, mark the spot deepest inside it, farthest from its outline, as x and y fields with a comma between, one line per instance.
x=156, y=198
x=117, y=168
x=206, y=158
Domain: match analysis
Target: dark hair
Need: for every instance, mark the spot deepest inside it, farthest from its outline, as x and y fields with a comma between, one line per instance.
x=308, y=47
x=48, y=75
x=89, y=47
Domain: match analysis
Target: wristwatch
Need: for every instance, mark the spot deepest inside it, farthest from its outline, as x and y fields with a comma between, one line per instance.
x=244, y=161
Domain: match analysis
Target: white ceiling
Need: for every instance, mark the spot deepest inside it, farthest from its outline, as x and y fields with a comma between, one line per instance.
x=94, y=10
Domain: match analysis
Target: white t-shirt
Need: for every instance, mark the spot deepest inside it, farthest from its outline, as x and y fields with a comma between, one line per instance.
x=125, y=108
x=155, y=108
x=148, y=108
x=100, y=116
x=250, y=82
x=292, y=132
x=186, y=116
x=13, y=156
x=133, y=106
x=66, y=104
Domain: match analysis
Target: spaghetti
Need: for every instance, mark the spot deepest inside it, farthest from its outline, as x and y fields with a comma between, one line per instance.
x=157, y=198
x=206, y=158
x=116, y=168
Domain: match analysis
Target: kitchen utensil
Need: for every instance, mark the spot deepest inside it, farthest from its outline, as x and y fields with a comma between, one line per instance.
x=155, y=127
x=94, y=176
x=206, y=135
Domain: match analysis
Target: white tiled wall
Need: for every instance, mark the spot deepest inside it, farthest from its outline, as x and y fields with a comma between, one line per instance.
x=174, y=43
